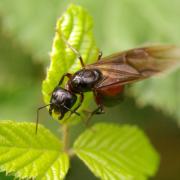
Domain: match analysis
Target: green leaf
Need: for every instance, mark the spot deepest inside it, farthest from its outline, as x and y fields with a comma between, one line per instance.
x=76, y=26
x=117, y=152
x=28, y=155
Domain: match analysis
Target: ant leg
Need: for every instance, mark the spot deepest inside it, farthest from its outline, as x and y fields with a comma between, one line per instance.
x=61, y=116
x=62, y=78
x=72, y=48
x=50, y=110
x=76, y=52
x=98, y=110
x=80, y=102
x=78, y=106
x=100, y=55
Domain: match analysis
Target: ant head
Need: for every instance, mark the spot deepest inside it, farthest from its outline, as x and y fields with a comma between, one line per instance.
x=61, y=101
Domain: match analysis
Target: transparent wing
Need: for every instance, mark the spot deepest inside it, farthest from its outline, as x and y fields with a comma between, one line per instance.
x=136, y=64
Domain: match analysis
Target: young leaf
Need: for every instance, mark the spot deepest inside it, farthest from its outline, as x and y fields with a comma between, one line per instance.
x=30, y=155
x=76, y=26
x=117, y=152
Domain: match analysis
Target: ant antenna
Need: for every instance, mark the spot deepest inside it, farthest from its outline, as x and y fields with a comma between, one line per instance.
x=73, y=49
x=37, y=119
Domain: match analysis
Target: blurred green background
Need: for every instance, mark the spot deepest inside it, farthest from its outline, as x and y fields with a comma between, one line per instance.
x=26, y=33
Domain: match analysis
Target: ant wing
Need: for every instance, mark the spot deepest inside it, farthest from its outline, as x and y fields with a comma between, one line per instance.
x=135, y=64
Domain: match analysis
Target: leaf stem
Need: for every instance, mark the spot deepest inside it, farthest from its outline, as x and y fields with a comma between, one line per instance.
x=65, y=137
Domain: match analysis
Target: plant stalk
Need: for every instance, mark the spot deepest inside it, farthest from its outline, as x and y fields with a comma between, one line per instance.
x=65, y=137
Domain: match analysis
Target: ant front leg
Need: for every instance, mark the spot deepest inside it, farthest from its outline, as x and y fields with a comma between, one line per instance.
x=78, y=106
x=100, y=55
x=80, y=101
x=50, y=110
x=62, y=78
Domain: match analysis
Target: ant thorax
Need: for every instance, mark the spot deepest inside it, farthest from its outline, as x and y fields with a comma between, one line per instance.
x=84, y=80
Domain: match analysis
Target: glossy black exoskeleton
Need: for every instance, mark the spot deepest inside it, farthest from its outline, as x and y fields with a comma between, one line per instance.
x=61, y=101
x=84, y=80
